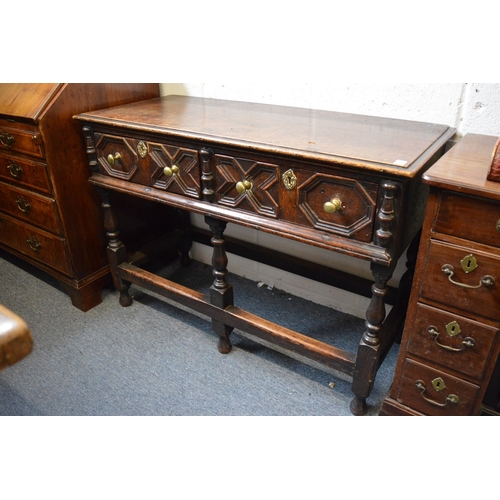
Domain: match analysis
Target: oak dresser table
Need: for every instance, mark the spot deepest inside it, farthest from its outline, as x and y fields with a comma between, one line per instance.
x=347, y=183
x=448, y=361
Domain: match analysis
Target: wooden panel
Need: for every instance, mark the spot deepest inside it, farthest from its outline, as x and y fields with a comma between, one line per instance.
x=436, y=286
x=26, y=100
x=25, y=173
x=35, y=209
x=35, y=243
x=412, y=396
x=468, y=359
x=469, y=218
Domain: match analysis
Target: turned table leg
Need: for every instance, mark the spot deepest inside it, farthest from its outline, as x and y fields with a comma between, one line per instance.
x=367, y=359
x=221, y=292
x=116, y=251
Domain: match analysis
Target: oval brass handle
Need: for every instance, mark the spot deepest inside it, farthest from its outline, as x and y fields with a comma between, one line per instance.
x=34, y=244
x=169, y=171
x=23, y=205
x=332, y=206
x=15, y=170
x=466, y=342
x=487, y=281
x=7, y=139
x=112, y=159
x=243, y=186
x=452, y=398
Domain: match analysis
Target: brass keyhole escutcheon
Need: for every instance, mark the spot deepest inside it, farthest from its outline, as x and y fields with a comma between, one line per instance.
x=332, y=206
x=169, y=171
x=289, y=180
x=438, y=384
x=112, y=159
x=142, y=149
x=469, y=263
x=243, y=186
x=453, y=329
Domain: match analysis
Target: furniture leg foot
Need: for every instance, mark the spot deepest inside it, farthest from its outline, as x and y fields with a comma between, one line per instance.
x=358, y=406
x=125, y=298
x=224, y=345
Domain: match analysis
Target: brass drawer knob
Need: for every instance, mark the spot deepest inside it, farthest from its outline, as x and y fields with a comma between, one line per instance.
x=169, y=171
x=112, y=159
x=332, y=206
x=243, y=186
x=15, y=170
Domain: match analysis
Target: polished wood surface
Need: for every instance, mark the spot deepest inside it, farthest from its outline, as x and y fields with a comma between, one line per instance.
x=16, y=341
x=47, y=207
x=347, y=183
x=453, y=322
x=393, y=146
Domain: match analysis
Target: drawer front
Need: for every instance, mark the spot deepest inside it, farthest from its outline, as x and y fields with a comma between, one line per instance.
x=337, y=204
x=473, y=219
x=475, y=290
x=35, y=243
x=35, y=209
x=168, y=167
x=433, y=392
x=25, y=173
x=247, y=185
x=452, y=341
x=20, y=138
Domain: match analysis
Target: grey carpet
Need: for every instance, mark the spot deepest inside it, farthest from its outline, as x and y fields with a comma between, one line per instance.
x=154, y=358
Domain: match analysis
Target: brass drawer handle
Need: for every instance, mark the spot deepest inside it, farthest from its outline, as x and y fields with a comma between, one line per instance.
x=112, y=159
x=498, y=225
x=23, y=205
x=7, y=139
x=452, y=398
x=169, y=171
x=243, y=186
x=15, y=170
x=332, y=206
x=487, y=281
x=34, y=244
x=467, y=342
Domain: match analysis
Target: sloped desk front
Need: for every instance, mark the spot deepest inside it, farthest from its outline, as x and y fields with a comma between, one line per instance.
x=347, y=183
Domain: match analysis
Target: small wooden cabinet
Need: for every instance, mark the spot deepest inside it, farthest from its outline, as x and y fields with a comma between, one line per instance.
x=450, y=344
x=49, y=214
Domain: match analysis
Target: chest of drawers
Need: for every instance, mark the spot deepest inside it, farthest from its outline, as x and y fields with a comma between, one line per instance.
x=450, y=344
x=49, y=215
x=346, y=183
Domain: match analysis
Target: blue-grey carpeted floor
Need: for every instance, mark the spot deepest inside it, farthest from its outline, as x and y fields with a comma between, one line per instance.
x=156, y=359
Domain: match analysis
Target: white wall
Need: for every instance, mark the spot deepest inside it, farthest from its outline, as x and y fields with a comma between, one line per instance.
x=469, y=107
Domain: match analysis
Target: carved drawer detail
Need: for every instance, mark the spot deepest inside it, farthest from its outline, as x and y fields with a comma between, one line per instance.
x=247, y=185
x=175, y=169
x=117, y=156
x=340, y=205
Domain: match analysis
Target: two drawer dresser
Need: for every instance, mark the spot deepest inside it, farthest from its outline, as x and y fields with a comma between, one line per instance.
x=49, y=215
x=346, y=183
x=449, y=352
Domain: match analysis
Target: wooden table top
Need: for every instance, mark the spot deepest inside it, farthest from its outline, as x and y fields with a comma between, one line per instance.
x=399, y=147
x=465, y=167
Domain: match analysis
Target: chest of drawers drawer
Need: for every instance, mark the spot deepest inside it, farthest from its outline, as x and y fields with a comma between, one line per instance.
x=435, y=392
x=460, y=278
x=452, y=341
x=470, y=218
x=25, y=173
x=21, y=138
x=35, y=243
x=30, y=207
